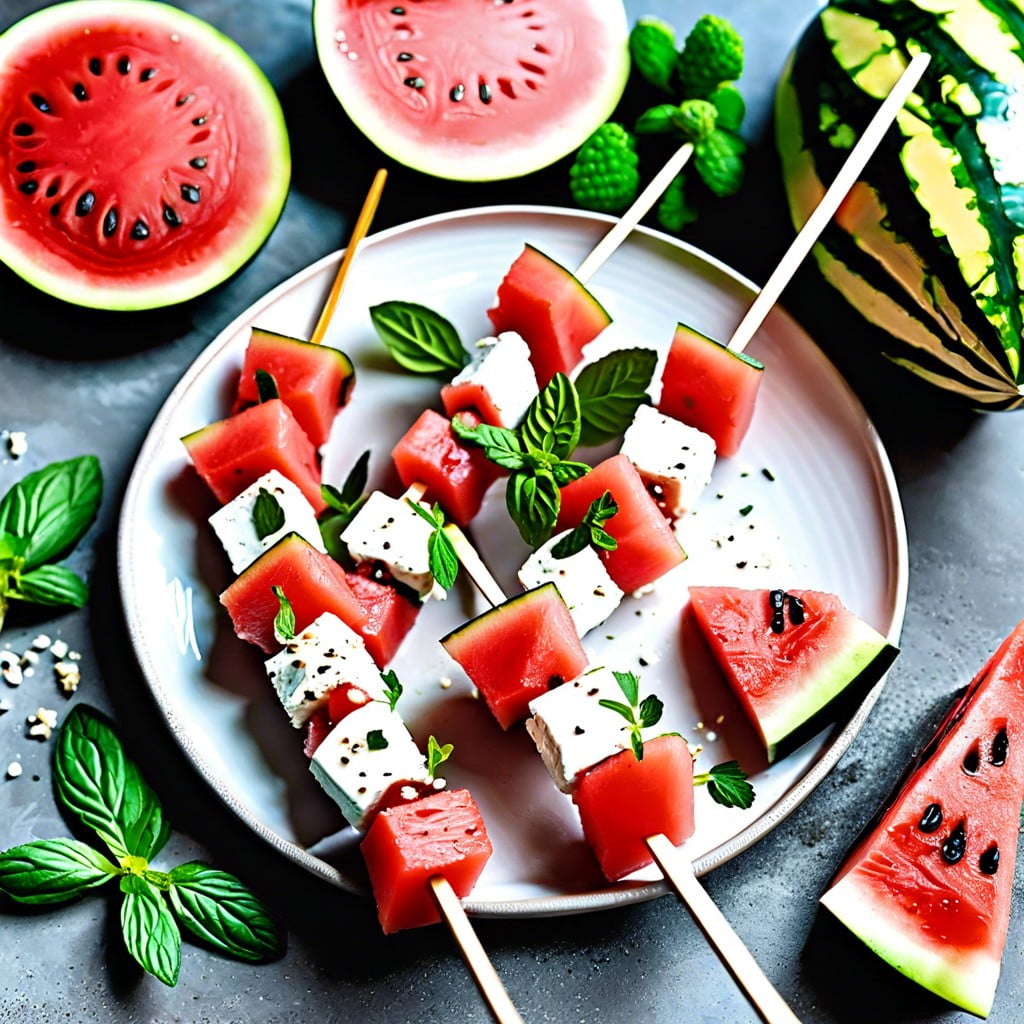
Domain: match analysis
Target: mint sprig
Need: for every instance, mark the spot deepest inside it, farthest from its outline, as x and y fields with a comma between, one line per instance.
x=419, y=339
x=392, y=687
x=104, y=790
x=267, y=514
x=342, y=506
x=443, y=561
x=42, y=517
x=639, y=714
x=590, y=531
x=727, y=785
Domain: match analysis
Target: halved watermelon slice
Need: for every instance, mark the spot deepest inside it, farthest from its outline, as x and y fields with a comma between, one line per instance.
x=789, y=657
x=929, y=887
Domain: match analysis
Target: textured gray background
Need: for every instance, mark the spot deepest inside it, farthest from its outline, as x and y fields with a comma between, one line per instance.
x=79, y=381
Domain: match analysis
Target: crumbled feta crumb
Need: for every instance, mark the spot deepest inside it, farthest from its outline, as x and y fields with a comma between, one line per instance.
x=74, y=656
x=42, y=723
x=17, y=443
x=446, y=682
x=30, y=657
x=59, y=649
x=10, y=669
x=14, y=769
x=68, y=675
x=41, y=642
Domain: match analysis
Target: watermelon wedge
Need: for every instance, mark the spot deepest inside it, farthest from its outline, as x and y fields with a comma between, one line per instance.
x=929, y=887
x=789, y=657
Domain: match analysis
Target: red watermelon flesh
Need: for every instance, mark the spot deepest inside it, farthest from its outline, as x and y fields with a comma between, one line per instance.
x=707, y=386
x=456, y=476
x=519, y=650
x=647, y=547
x=312, y=582
x=929, y=887
x=314, y=381
x=622, y=801
x=389, y=615
x=551, y=309
x=788, y=681
x=441, y=834
x=233, y=453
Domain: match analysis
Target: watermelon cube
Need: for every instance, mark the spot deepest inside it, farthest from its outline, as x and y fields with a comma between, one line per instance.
x=498, y=385
x=710, y=387
x=519, y=650
x=456, y=476
x=553, y=311
x=311, y=581
x=389, y=615
x=233, y=453
x=622, y=801
x=647, y=547
x=441, y=834
x=314, y=381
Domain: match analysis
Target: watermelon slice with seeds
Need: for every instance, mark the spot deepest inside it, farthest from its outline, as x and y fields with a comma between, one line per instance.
x=792, y=658
x=928, y=888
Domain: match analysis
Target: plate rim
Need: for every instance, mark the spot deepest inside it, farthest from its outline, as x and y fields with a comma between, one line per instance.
x=897, y=557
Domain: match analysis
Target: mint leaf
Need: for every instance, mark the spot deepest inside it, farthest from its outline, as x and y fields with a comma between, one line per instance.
x=437, y=754
x=533, y=501
x=552, y=421
x=727, y=785
x=444, y=562
x=284, y=621
x=150, y=932
x=342, y=506
x=355, y=483
x=618, y=707
x=267, y=514
x=610, y=391
x=629, y=684
x=218, y=909
x=651, y=709
x=501, y=445
x=376, y=740
x=52, y=870
x=590, y=531
x=49, y=585
x=565, y=472
x=392, y=687
x=266, y=386
x=419, y=339
x=52, y=507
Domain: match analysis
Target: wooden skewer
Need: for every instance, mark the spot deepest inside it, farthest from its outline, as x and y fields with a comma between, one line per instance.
x=362, y=226
x=629, y=220
x=473, y=953
x=830, y=201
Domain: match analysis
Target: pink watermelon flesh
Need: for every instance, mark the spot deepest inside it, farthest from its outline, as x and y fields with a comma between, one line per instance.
x=929, y=887
x=707, y=386
x=314, y=381
x=389, y=615
x=551, y=309
x=312, y=582
x=789, y=682
x=622, y=801
x=519, y=650
x=647, y=547
x=231, y=454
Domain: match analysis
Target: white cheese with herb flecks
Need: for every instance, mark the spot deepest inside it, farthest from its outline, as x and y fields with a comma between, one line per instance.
x=502, y=368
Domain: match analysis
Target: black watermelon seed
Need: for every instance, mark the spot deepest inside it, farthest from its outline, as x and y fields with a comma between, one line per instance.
x=415, y=82
x=55, y=209
x=85, y=203
x=955, y=845
x=110, y=222
x=140, y=230
x=485, y=93
x=457, y=92
x=171, y=216
x=972, y=762
x=777, y=602
x=931, y=819
x=39, y=102
x=182, y=100
x=796, y=609
x=124, y=65
x=28, y=187
x=26, y=167
x=147, y=74
x=95, y=65
x=198, y=162
x=79, y=90
x=404, y=56
x=23, y=128
x=1000, y=748
x=398, y=10
x=199, y=120
x=51, y=189
x=989, y=860
x=190, y=193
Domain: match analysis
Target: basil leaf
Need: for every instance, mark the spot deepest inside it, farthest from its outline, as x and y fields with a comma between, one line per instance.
x=419, y=339
x=267, y=514
x=218, y=909
x=629, y=684
x=284, y=621
x=617, y=706
x=150, y=933
x=266, y=386
x=610, y=391
x=651, y=709
x=552, y=421
x=532, y=501
x=501, y=445
x=565, y=472
x=656, y=120
x=11, y=547
x=50, y=585
x=728, y=785
x=53, y=507
x=444, y=562
x=97, y=783
x=355, y=482
x=392, y=687
x=376, y=740
x=52, y=870
x=572, y=543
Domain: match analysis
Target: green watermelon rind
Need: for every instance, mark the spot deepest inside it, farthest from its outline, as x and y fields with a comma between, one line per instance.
x=969, y=983
x=125, y=293
x=492, y=162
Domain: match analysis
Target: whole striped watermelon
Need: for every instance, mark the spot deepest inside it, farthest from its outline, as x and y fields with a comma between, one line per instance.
x=929, y=245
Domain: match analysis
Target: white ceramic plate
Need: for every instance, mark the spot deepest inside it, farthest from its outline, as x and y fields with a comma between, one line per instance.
x=832, y=504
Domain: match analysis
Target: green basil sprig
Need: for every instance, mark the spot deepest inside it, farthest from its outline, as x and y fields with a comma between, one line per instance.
x=342, y=506
x=419, y=339
x=97, y=783
x=42, y=517
x=727, y=785
x=590, y=531
x=444, y=562
x=640, y=715
x=611, y=389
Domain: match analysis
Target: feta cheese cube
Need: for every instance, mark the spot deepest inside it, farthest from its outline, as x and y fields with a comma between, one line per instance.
x=671, y=456
x=324, y=655
x=365, y=754
x=234, y=524
x=571, y=729
x=389, y=531
x=503, y=369
x=588, y=591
